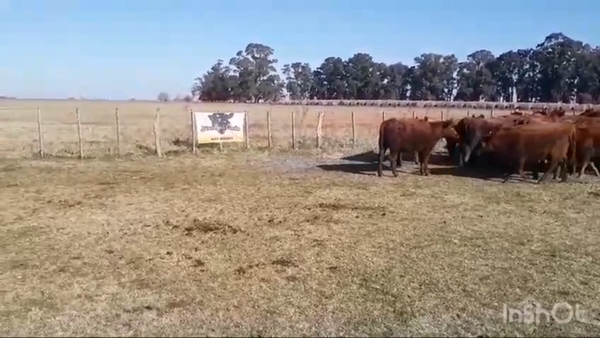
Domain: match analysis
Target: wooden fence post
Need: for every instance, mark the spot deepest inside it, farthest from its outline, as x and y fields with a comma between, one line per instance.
x=492, y=112
x=293, y=129
x=156, y=130
x=118, y=123
x=353, y=130
x=246, y=130
x=40, y=134
x=79, y=133
x=319, y=129
x=442, y=115
x=220, y=142
x=382, y=115
x=194, y=132
x=269, y=136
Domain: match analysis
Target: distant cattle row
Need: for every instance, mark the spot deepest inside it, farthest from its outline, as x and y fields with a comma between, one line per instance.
x=552, y=142
x=440, y=104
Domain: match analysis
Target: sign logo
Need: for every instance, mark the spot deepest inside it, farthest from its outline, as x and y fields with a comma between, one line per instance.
x=221, y=122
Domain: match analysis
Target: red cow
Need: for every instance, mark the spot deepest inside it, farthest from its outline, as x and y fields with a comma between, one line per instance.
x=411, y=135
x=555, y=142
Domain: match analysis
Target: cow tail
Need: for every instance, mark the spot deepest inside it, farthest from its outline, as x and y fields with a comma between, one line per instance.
x=382, y=148
x=382, y=143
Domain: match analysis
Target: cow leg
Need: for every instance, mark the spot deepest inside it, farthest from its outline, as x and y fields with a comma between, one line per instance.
x=451, y=147
x=558, y=171
x=522, y=168
x=457, y=155
x=417, y=157
x=582, y=170
x=594, y=168
x=399, y=159
x=573, y=167
x=380, y=163
x=551, y=167
x=463, y=156
x=563, y=171
x=425, y=162
x=510, y=169
x=536, y=169
x=586, y=160
x=393, y=158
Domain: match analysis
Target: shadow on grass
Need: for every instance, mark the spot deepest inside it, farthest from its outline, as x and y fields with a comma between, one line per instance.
x=187, y=144
x=366, y=163
x=486, y=174
x=373, y=157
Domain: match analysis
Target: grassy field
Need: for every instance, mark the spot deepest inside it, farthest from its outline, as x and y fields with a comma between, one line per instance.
x=19, y=134
x=276, y=243
x=257, y=244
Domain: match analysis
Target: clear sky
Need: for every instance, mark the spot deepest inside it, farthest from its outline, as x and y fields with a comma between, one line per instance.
x=133, y=48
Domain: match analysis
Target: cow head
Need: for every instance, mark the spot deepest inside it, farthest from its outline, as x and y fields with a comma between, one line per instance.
x=220, y=121
x=448, y=130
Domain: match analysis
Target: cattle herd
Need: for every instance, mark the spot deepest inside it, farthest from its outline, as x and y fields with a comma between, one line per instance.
x=548, y=141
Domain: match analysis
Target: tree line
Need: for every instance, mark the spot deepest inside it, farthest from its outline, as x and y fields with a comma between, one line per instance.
x=559, y=69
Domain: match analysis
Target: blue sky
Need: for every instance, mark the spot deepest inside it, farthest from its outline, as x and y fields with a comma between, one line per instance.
x=124, y=49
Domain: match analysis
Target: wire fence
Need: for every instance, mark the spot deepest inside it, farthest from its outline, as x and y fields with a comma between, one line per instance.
x=164, y=130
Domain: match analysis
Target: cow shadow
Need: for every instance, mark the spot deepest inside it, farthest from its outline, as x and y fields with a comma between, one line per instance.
x=482, y=173
x=436, y=158
x=366, y=157
x=487, y=172
x=368, y=169
x=366, y=163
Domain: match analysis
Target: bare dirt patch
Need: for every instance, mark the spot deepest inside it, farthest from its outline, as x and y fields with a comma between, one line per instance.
x=230, y=244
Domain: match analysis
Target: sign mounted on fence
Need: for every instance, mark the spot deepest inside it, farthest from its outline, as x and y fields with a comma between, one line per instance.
x=219, y=127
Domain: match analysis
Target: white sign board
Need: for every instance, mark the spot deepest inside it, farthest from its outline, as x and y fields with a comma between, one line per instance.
x=219, y=127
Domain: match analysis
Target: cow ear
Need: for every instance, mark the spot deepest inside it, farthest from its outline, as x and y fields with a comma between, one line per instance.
x=230, y=115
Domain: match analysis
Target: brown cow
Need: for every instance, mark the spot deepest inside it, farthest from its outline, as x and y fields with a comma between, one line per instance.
x=416, y=155
x=578, y=119
x=536, y=117
x=470, y=131
x=555, y=142
x=588, y=146
x=404, y=135
x=590, y=112
x=461, y=129
x=559, y=112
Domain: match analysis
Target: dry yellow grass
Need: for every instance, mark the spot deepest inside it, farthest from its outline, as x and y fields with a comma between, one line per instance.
x=246, y=243
x=257, y=243
x=19, y=135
